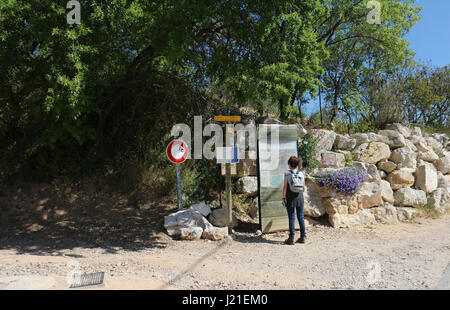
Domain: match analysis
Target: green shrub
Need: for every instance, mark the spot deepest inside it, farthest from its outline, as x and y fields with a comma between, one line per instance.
x=307, y=151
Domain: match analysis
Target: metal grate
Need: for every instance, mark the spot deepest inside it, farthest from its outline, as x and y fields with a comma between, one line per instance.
x=88, y=279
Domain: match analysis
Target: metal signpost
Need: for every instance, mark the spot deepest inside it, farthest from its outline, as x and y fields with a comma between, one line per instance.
x=177, y=152
x=228, y=155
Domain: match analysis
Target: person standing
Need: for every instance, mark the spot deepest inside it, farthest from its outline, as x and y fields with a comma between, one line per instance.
x=294, y=186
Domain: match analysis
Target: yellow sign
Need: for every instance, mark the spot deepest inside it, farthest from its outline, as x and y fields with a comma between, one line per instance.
x=227, y=118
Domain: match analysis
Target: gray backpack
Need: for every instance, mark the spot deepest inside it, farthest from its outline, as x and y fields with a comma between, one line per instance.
x=295, y=182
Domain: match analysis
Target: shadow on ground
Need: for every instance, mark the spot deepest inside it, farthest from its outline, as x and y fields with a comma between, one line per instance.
x=38, y=219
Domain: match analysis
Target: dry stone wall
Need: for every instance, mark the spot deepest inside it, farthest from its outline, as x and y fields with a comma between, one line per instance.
x=406, y=170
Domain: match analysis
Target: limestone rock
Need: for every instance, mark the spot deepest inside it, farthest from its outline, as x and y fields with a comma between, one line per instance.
x=191, y=233
x=313, y=205
x=202, y=208
x=372, y=152
x=432, y=142
x=382, y=174
x=248, y=186
x=443, y=164
x=426, y=179
x=435, y=198
x=405, y=131
x=360, y=138
x=400, y=179
x=215, y=233
x=410, y=197
x=386, y=191
x=406, y=213
x=184, y=223
x=411, y=145
x=386, y=214
x=344, y=143
x=395, y=139
x=370, y=194
x=404, y=157
x=387, y=166
x=362, y=218
x=219, y=218
x=326, y=139
x=416, y=131
x=429, y=156
x=370, y=169
x=332, y=159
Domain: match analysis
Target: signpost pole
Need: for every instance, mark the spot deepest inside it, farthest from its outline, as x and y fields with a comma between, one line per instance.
x=228, y=196
x=180, y=199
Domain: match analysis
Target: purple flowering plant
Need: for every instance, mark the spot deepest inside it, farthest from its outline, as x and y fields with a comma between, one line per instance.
x=347, y=180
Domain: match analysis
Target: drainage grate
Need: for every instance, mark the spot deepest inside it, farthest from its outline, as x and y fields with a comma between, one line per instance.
x=88, y=279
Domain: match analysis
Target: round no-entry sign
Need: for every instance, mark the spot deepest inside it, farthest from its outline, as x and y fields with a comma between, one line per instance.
x=177, y=151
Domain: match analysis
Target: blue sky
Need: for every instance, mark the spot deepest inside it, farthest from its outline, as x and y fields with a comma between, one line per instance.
x=429, y=38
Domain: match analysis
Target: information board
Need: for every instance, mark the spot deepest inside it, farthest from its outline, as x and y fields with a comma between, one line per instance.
x=276, y=143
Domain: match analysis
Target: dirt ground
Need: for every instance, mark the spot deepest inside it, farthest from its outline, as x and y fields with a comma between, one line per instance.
x=43, y=239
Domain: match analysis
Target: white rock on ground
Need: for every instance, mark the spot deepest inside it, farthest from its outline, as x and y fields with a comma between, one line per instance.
x=191, y=225
x=215, y=233
x=426, y=179
x=410, y=197
x=248, y=186
x=201, y=207
x=188, y=224
x=219, y=218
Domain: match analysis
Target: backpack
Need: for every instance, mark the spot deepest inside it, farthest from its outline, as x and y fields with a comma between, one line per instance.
x=295, y=182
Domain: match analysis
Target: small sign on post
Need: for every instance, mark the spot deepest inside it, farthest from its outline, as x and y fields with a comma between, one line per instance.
x=228, y=155
x=177, y=152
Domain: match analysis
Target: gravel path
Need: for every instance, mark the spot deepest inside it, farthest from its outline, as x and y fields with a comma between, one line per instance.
x=403, y=256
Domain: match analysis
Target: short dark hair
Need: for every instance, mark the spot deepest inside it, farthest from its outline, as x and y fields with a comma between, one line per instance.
x=293, y=161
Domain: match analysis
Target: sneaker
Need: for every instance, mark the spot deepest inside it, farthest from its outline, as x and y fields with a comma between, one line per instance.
x=301, y=240
x=289, y=241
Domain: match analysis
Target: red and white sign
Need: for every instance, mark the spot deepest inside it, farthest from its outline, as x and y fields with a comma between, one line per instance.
x=177, y=151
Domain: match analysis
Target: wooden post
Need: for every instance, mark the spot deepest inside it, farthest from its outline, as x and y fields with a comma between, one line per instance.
x=228, y=196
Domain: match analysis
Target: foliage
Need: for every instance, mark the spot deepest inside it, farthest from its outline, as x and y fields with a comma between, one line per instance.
x=307, y=151
x=348, y=159
x=347, y=180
